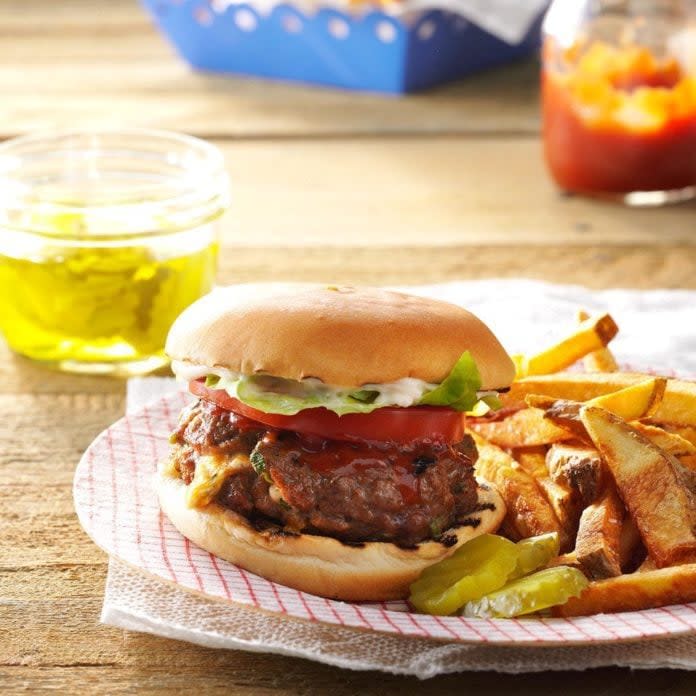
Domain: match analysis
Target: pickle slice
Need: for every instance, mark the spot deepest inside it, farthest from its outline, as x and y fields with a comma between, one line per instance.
x=477, y=568
x=530, y=594
x=535, y=552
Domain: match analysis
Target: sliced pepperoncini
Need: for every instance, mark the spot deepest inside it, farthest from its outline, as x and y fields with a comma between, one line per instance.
x=490, y=576
x=529, y=594
x=535, y=552
x=478, y=567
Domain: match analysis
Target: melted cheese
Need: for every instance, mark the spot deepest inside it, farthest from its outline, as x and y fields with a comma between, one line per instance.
x=211, y=473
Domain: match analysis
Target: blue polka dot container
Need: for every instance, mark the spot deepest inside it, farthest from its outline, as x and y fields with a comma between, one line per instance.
x=374, y=51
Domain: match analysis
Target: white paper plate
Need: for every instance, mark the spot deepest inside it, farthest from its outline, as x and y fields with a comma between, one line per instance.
x=117, y=506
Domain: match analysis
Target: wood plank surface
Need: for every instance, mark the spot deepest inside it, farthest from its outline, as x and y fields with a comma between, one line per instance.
x=327, y=186
x=412, y=192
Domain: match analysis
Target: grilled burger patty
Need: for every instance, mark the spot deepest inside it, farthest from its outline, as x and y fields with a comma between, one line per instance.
x=351, y=491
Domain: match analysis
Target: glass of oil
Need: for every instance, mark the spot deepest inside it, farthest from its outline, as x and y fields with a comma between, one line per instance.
x=105, y=237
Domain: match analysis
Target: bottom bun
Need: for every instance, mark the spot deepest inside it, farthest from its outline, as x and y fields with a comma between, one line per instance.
x=321, y=565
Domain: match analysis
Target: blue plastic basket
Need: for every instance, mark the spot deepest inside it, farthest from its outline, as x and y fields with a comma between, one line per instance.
x=374, y=52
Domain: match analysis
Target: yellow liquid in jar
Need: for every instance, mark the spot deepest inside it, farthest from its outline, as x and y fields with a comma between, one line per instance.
x=105, y=305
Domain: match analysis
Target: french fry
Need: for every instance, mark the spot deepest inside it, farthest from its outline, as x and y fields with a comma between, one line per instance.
x=672, y=443
x=574, y=386
x=592, y=334
x=520, y=362
x=642, y=590
x=600, y=360
x=564, y=501
x=677, y=408
x=598, y=544
x=578, y=467
x=528, y=511
x=524, y=428
x=649, y=484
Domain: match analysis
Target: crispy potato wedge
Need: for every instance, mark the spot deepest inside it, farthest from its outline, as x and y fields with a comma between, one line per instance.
x=564, y=501
x=598, y=544
x=678, y=406
x=566, y=414
x=643, y=590
x=567, y=409
x=561, y=412
x=631, y=550
x=686, y=475
x=593, y=333
x=565, y=559
x=533, y=461
x=509, y=531
x=649, y=482
x=672, y=443
x=528, y=511
x=637, y=401
x=524, y=428
x=647, y=564
x=686, y=432
x=577, y=467
x=600, y=360
x=566, y=508
x=689, y=462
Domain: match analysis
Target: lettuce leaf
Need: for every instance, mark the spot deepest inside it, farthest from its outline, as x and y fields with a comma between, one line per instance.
x=485, y=405
x=287, y=397
x=211, y=381
x=270, y=396
x=459, y=389
x=365, y=396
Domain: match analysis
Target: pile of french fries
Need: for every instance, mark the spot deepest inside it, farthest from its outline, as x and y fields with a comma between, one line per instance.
x=606, y=459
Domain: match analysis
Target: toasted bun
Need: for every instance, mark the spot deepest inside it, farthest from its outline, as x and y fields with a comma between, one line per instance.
x=343, y=336
x=373, y=571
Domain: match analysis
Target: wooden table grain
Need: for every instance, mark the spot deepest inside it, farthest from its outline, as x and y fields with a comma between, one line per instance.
x=327, y=186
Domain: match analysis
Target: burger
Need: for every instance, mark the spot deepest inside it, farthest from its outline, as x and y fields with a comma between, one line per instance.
x=325, y=449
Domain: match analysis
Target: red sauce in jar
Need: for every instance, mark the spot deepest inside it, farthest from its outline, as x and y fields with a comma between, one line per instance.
x=618, y=121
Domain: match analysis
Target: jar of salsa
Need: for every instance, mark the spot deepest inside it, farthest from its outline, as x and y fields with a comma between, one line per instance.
x=105, y=237
x=619, y=98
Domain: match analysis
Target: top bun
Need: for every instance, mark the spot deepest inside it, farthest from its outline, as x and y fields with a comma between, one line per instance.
x=344, y=336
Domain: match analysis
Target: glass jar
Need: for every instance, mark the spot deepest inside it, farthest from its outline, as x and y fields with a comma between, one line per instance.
x=619, y=98
x=105, y=237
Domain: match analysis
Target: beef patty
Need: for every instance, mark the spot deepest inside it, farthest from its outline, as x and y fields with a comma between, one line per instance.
x=351, y=491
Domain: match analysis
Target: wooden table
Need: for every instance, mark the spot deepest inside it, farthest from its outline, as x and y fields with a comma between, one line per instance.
x=327, y=186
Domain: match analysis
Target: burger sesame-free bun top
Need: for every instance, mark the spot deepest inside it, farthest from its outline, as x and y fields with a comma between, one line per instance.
x=344, y=336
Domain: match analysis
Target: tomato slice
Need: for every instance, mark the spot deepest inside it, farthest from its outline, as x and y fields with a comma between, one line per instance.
x=389, y=424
